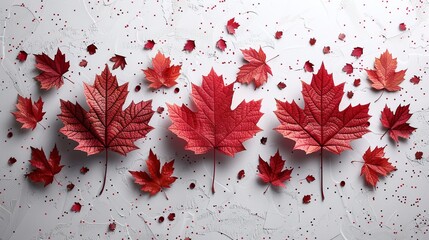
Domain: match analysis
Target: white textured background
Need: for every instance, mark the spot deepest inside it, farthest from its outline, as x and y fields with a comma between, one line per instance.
x=396, y=209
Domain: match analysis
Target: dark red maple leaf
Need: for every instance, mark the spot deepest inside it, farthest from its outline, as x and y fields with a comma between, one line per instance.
x=215, y=126
x=22, y=56
x=312, y=41
x=91, y=49
x=76, y=207
x=357, y=52
x=84, y=170
x=231, y=25
x=52, y=70
x=256, y=69
x=306, y=199
x=278, y=34
x=28, y=113
x=308, y=66
x=149, y=44
x=310, y=178
x=45, y=169
x=221, y=44
x=112, y=226
x=375, y=164
x=189, y=46
x=273, y=173
x=119, y=61
x=106, y=126
x=157, y=179
x=162, y=74
x=348, y=68
x=418, y=155
x=396, y=123
x=384, y=76
x=241, y=174
x=321, y=125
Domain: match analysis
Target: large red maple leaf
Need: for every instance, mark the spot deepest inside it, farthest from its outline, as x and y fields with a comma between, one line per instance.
x=214, y=125
x=45, y=169
x=162, y=74
x=157, y=179
x=256, y=69
x=273, y=173
x=28, y=113
x=396, y=123
x=321, y=125
x=52, y=70
x=375, y=164
x=106, y=126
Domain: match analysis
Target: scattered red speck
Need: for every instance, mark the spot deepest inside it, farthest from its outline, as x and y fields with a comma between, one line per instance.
x=326, y=49
x=171, y=216
x=84, y=170
x=342, y=183
x=160, y=110
x=161, y=219
x=149, y=45
x=264, y=140
x=83, y=63
x=341, y=36
x=415, y=80
x=189, y=46
x=278, y=34
x=310, y=178
x=11, y=161
x=91, y=49
x=281, y=85
x=9, y=134
x=312, y=41
x=76, y=207
x=112, y=226
x=308, y=66
x=350, y=94
x=70, y=187
x=356, y=82
x=419, y=155
x=22, y=56
x=402, y=27
x=192, y=186
x=241, y=174
x=306, y=199
x=137, y=88
x=177, y=90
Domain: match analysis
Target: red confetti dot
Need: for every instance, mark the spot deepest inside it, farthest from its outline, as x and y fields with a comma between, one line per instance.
x=11, y=161
x=306, y=199
x=241, y=174
x=9, y=134
x=161, y=219
x=137, y=88
x=419, y=155
x=342, y=183
x=192, y=186
x=171, y=216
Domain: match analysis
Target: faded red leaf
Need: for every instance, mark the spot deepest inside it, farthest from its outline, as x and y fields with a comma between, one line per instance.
x=273, y=173
x=341, y=36
x=119, y=61
x=45, y=169
x=22, y=56
x=396, y=123
x=149, y=44
x=162, y=74
x=348, y=68
x=326, y=49
x=384, y=76
x=221, y=44
x=375, y=165
x=357, y=52
x=256, y=69
x=215, y=128
x=308, y=66
x=83, y=63
x=189, y=46
x=52, y=70
x=231, y=25
x=321, y=125
x=28, y=113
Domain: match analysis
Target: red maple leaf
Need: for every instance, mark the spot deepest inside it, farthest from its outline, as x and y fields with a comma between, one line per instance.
x=357, y=52
x=278, y=35
x=310, y=178
x=189, y=46
x=91, y=49
x=162, y=74
x=415, y=80
x=22, y=56
x=384, y=76
x=256, y=70
x=52, y=70
x=306, y=199
x=375, y=164
x=348, y=68
x=215, y=126
x=308, y=66
x=45, y=169
x=273, y=173
x=149, y=44
x=119, y=61
x=312, y=41
x=76, y=207
x=321, y=125
x=231, y=25
x=106, y=126
x=396, y=123
x=221, y=44
x=28, y=113
x=157, y=179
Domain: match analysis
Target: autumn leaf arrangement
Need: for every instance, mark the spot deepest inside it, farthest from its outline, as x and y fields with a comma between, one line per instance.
x=213, y=126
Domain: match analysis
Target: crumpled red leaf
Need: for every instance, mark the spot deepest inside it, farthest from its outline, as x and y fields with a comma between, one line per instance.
x=396, y=123
x=52, y=70
x=384, y=76
x=214, y=126
x=308, y=66
x=106, y=126
x=91, y=49
x=119, y=61
x=28, y=113
x=149, y=44
x=273, y=173
x=162, y=74
x=321, y=125
x=357, y=52
x=231, y=25
x=375, y=165
x=76, y=207
x=45, y=169
x=256, y=69
x=189, y=46
x=22, y=56
x=221, y=44
x=157, y=179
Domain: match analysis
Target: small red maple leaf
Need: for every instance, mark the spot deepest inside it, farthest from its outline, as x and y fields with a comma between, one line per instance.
x=28, y=113
x=119, y=61
x=171, y=216
x=396, y=123
x=231, y=25
x=149, y=44
x=278, y=35
x=22, y=56
x=112, y=226
x=76, y=207
x=348, y=68
x=321, y=125
x=273, y=173
x=162, y=74
x=357, y=52
x=375, y=164
x=384, y=76
x=91, y=49
x=52, y=70
x=221, y=44
x=214, y=126
x=312, y=41
x=418, y=155
x=256, y=69
x=306, y=199
x=11, y=161
x=310, y=178
x=415, y=80
x=308, y=66
x=157, y=179
x=106, y=126
x=45, y=169
x=84, y=170
x=70, y=187
x=189, y=45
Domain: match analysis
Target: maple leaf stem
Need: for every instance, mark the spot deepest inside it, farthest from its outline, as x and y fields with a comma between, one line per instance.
x=58, y=182
x=357, y=162
x=68, y=79
x=273, y=57
x=321, y=174
x=214, y=170
x=379, y=97
x=384, y=134
x=266, y=189
x=105, y=173
x=165, y=194
x=41, y=125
